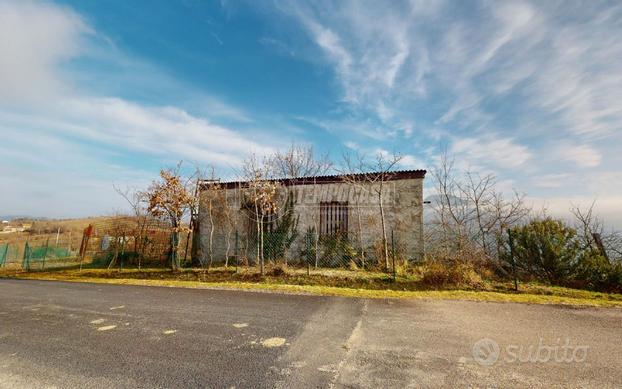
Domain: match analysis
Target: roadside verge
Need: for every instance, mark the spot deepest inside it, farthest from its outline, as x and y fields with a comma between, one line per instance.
x=586, y=299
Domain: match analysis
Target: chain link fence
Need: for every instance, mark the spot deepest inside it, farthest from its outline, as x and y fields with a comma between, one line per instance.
x=43, y=251
x=116, y=242
x=131, y=242
x=308, y=250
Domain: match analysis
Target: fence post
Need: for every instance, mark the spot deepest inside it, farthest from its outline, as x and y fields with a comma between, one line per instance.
x=86, y=234
x=308, y=252
x=237, y=251
x=511, y=242
x=393, y=256
x=26, y=260
x=122, y=251
x=45, y=252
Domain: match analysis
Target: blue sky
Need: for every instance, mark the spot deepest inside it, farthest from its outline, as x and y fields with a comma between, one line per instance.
x=94, y=93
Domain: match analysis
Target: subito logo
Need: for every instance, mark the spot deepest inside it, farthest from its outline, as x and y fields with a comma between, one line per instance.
x=486, y=352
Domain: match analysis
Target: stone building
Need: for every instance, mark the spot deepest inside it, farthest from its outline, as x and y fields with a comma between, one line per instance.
x=322, y=207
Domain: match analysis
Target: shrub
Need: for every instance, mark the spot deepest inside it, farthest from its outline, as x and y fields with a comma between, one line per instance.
x=460, y=274
x=595, y=272
x=278, y=270
x=337, y=250
x=547, y=249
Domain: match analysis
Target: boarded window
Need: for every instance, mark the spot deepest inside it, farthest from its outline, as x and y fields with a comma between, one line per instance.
x=333, y=218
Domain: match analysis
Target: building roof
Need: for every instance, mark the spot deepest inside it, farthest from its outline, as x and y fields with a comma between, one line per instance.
x=329, y=179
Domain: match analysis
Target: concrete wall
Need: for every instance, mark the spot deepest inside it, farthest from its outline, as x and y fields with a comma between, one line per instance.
x=403, y=202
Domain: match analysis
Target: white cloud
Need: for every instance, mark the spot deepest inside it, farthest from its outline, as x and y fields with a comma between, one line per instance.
x=608, y=208
x=411, y=162
x=491, y=151
x=551, y=180
x=66, y=135
x=36, y=39
x=514, y=88
x=164, y=131
x=581, y=155
x=367, y=43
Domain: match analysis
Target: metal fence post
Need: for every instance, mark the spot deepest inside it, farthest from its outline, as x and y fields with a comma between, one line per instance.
x=511, y=242
x=237, y=250
x=45, y=252
x=26, y=260
x=393, y=255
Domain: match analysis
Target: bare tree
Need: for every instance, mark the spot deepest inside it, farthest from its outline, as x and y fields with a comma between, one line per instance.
x=470, y=212
x=299, y=161
x=592, y=232
x=211, y=196
x=229, y=221
x=354, y=175
x=171, y=197
x=373, y=178
x=137, y=201
x=262, y=198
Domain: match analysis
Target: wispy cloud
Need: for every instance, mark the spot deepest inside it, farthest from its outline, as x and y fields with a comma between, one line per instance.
x=581, y=155
x=498, y=83
x=69, y=137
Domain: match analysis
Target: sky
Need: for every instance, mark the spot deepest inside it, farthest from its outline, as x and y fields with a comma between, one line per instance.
x=101, y=93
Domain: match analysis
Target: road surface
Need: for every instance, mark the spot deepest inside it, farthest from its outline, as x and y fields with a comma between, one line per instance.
x=70, y=335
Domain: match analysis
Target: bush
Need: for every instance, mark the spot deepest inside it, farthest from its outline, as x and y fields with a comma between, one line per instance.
x=595, y=272
x=337, y=250
x=551, y=251
x=548, y=249
x=278, y=270
x=460, y=274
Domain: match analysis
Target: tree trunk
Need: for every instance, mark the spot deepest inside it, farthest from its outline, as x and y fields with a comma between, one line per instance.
x=263, y=270
x=360, y=234
x=174, y=241
x=211, y=236
x=384, y=231
x=228, y=247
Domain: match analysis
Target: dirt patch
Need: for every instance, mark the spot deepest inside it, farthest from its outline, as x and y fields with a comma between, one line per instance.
x=273, y=342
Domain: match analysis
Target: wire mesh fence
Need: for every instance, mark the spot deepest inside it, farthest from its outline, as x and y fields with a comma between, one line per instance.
x=135, y=242
x=142, y=242
x=32, y=251
x=123, y=241
x=306, y=250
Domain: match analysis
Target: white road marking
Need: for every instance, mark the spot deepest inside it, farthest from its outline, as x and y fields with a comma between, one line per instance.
x=119, y=307
x=169, y=332
x=240, y=325
x=106, y=328
x=98, y=321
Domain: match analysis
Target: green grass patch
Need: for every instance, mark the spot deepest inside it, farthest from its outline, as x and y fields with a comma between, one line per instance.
x=344, y=283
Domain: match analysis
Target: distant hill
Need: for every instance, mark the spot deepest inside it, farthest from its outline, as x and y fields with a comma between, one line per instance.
x=13, y=217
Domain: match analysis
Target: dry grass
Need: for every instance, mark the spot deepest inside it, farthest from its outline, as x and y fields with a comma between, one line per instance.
x=328, y=283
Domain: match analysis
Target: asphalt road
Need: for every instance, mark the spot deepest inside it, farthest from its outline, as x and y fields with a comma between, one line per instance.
x=55, y=334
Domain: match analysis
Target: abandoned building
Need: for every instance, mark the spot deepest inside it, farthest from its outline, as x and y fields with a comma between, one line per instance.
x=310, y=212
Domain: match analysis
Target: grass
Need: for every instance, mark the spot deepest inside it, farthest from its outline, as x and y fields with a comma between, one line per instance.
x=343, y=283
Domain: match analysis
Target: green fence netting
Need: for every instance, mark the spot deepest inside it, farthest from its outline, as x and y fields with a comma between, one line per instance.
x=4, y=251
x=41, y=254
